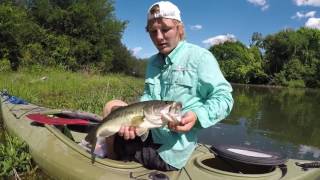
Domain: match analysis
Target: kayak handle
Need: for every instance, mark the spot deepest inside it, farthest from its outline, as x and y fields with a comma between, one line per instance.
x=307, y=166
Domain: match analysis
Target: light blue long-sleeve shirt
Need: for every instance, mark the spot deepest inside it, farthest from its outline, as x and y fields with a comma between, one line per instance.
x=190, y=75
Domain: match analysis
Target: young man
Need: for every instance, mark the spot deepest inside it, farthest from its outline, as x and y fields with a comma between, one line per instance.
x=181, y=72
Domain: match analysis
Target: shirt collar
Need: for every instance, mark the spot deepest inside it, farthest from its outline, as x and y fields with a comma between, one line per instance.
x=174, y=52
x=166, y=60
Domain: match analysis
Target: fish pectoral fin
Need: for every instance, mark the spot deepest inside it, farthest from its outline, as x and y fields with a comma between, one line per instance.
x=136, y=121
x=142, y=133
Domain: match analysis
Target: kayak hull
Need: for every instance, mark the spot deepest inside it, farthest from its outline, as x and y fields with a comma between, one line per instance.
x=62, y=158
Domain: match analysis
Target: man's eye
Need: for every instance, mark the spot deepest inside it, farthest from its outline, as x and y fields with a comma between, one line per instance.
x=165, y=30
x=153, y=31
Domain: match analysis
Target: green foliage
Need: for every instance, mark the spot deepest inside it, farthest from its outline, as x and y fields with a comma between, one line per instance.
x=282, y=47
x=4, y=65
x=239, y=63
x=279, y=79
x=294, y=70
x=139, y=67
x=16, y=30
x=82, y=34
x=292, y=57
x=257, y=40
x=14, y=156
x=296, y=84
x=75, y=35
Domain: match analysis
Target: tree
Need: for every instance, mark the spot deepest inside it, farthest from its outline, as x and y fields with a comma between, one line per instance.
x=256, y=40
x=16, y=31
x=293, y=56
x=90, y=27
x=239, y=63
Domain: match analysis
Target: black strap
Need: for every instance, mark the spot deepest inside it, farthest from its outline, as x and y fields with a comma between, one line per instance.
x=283, y=169
x=307, y=166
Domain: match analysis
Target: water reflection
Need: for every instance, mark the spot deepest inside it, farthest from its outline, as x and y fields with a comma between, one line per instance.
x=272, y=119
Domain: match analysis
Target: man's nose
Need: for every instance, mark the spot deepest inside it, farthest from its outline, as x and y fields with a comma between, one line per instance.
x=159, y=35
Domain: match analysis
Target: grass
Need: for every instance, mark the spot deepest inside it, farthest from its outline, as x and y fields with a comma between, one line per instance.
x=56, y=88
x=61, y=89
x=14, y=158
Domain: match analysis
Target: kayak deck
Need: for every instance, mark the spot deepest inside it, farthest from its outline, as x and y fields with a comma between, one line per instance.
x=62, y=157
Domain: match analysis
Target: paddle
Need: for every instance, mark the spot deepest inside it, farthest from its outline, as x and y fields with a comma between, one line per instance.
x=45, y=119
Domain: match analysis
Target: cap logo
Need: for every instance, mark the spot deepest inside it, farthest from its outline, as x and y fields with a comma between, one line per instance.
x=164, y=14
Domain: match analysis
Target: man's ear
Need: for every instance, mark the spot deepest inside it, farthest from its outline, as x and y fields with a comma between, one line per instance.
x=181, y=31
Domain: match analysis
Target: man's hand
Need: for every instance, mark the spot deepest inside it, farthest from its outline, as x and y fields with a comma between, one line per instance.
x=112, y=105
x=127, y=132
x=188, y=120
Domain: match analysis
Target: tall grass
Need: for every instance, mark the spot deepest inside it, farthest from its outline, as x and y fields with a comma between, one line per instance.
x=68, y=90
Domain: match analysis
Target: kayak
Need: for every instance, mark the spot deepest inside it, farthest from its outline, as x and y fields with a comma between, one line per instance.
x=57, y=151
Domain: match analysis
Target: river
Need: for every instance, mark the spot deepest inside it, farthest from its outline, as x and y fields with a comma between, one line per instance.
x=271, y=119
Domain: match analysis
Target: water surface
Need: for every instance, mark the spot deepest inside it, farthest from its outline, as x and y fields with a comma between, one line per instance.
x=271, y=119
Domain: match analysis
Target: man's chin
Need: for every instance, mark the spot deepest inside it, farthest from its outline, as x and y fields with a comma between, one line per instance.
x=165, y=51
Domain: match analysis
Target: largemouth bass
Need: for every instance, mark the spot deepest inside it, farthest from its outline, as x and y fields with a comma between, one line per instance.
x=142, y=115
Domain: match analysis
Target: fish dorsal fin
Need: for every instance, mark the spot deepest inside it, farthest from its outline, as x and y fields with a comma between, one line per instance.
x=136, y=121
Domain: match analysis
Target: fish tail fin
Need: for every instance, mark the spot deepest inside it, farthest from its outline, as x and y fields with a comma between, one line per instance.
x=92, y=139
x=93, y=155
x=91, y=136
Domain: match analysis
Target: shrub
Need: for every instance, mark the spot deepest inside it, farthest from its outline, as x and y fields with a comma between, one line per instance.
x=14, y=157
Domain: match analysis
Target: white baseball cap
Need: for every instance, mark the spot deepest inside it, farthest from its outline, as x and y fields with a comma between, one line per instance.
x=167, y=10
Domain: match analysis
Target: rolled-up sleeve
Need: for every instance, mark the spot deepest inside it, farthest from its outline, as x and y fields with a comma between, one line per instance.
x=214, y=92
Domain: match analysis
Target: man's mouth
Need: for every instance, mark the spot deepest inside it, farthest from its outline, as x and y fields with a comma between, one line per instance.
x=162, y=45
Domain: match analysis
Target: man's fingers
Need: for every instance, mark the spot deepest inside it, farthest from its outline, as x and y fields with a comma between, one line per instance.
x=131, y=133
x=186, y=123
x=121, y=131
x=127, y=132
x=183, y=128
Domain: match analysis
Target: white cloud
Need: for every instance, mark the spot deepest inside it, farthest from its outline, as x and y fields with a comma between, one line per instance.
x=220, y=39
x=307, y=2
x=313, y=23
x=300, y=15
x=136, y=50
x=261, y=3
x=196, y=27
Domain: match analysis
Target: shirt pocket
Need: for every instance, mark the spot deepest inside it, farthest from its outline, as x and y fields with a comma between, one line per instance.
x=151, y=88
x=183, y=81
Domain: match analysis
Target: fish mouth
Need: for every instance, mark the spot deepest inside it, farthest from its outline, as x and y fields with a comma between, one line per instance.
x=175, y=108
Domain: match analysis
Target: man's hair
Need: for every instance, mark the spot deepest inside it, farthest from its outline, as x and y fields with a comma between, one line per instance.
x=155, y=9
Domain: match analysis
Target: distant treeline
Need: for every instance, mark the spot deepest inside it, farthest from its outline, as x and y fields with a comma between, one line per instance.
x=85, y=35
x=287, y=58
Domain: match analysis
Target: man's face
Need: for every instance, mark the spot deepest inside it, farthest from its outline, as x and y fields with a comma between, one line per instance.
x=164, y=34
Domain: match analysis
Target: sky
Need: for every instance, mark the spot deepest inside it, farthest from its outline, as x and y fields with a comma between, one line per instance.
x=211, y=22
